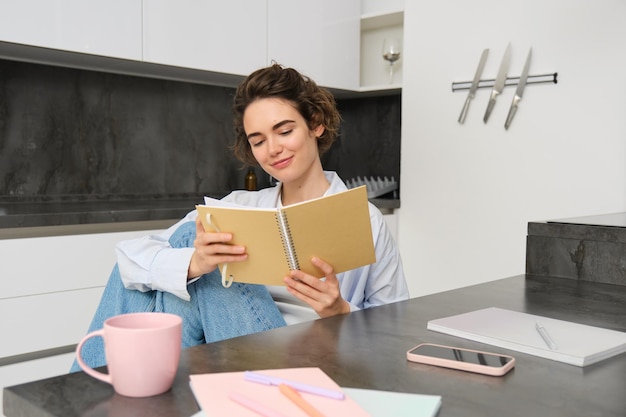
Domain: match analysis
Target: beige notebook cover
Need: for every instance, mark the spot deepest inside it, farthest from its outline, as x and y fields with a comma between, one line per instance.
x=335, y=228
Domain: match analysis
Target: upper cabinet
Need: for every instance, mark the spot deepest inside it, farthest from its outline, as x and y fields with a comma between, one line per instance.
x=319, y=38
x=381, y=21
x=107, y=28
x=213, y=35
x=336, y=43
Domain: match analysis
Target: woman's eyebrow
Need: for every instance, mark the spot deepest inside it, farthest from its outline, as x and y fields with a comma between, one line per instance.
x=275, y=127
x=279, y=124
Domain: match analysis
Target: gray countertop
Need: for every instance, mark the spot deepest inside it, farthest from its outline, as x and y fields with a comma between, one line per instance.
x=367, y=349
x=20, y=219
x=610, y=219
x=36, y=214
x=609, y=227
x=589, y=248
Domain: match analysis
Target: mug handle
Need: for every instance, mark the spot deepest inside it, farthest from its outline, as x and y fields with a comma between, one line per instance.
x=89, y=370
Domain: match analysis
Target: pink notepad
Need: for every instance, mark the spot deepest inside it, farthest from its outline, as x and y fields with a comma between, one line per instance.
x=212, y=390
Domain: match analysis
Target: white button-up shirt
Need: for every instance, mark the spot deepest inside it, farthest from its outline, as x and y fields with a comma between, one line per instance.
x=150, y=263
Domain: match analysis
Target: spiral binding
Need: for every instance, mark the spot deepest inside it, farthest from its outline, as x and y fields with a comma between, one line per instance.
x=285, y=236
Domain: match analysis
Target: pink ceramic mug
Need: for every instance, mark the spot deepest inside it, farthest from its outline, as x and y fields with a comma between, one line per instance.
x=142, y=352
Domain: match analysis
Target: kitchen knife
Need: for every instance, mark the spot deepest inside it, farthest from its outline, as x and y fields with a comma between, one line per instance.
x=474, y=87
x=498, y=85
x=519, y=93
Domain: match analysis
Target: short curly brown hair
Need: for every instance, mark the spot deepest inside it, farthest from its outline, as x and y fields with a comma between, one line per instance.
x=316, y=105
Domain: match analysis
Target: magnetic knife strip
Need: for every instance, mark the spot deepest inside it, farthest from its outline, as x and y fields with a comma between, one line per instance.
x=510, y=81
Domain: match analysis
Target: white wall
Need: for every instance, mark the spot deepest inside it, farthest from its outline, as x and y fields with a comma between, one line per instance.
x=468, y=191
x=380, y=6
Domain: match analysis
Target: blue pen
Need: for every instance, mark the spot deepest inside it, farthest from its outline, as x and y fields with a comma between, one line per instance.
x=298, y=386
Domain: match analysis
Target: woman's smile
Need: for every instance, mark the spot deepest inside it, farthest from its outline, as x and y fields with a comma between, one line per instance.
x=282, y=163
x=282, y=142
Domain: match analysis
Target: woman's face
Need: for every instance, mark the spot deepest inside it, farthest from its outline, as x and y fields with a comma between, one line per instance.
x=280, y=139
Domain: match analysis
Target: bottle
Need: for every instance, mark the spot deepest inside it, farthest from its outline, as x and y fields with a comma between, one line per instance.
x=251, y=180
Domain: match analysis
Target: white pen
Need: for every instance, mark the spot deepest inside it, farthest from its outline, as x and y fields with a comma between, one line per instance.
x=545, y=336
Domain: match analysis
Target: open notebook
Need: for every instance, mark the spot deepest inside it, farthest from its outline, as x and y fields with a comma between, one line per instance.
x=212, y=391
x=334, y=228
x=572, y=343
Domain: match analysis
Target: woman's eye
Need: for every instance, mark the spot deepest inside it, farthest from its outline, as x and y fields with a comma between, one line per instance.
x=286, y=132
x=257, y=143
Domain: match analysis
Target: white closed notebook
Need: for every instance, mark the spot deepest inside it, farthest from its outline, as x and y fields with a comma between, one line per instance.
x=563, y=341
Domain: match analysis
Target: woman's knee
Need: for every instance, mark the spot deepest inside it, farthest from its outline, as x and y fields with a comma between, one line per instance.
x=192, y=332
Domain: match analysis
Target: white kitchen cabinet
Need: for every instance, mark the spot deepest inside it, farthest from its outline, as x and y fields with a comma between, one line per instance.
x=319, y=38
x=55, y=264
x=204, y=41
x=108, y=28
x=47, y=321
x=375, y=27
x=50, y=288
x=211, y=35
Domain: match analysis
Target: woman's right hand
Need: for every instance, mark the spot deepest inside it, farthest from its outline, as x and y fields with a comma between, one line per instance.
x=211, y=249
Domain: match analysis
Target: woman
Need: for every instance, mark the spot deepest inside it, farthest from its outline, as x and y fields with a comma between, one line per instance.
x=283, y=122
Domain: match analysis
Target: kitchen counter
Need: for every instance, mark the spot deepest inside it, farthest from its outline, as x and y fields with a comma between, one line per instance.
x=366, y=349
x=610, y=220
x=20, y=219
x=589, y=248
x=67, y=217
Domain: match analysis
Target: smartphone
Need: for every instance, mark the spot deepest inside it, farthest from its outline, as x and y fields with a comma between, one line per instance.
x=487, y=363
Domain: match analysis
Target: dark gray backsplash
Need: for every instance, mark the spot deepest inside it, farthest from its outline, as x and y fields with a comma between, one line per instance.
x=77, y=134
x=369, y=140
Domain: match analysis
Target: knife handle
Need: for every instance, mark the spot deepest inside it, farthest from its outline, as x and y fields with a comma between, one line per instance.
x=465, y=108
x=512, y=111
x=492, y=102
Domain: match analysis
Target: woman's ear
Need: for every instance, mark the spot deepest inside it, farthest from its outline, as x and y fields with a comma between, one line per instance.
x=319, y=130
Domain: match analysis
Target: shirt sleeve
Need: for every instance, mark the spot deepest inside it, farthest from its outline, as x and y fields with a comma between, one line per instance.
x=382, y=282
x=151, y=263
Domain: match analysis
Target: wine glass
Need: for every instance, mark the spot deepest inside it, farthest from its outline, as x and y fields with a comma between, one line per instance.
x=391, y=53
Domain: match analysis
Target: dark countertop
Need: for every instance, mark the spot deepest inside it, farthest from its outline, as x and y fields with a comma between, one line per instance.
x=56, y=213
x=611, y=220
x=606, y=227
x=589, y=248
x=51, y=218
x=367, y=349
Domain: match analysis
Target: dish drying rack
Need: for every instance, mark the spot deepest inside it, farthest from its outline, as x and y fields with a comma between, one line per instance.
x=375, y=186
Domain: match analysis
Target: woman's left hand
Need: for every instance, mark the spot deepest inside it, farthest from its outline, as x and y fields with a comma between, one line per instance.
x=322, y=295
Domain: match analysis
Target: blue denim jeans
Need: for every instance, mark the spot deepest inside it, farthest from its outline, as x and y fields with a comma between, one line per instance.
x=213, y=313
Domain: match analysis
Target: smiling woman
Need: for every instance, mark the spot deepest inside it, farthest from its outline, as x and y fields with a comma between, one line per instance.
x=283, y=122
x=286, y=149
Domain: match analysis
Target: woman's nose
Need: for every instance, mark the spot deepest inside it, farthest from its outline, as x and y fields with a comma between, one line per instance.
x=274, y=146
